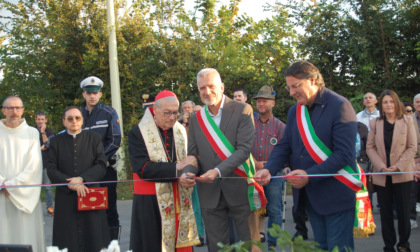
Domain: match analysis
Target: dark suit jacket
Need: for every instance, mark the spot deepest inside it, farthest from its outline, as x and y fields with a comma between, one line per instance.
x=334, y=122
x=238, y=126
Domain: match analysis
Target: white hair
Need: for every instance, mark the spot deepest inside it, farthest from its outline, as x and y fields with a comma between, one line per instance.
x=208, y=71
x=416, y=97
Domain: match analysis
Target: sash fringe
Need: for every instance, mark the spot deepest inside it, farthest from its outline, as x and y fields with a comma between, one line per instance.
x=364, y=232
x=188, y=244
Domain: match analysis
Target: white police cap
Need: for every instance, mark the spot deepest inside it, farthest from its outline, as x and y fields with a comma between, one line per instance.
x=91, y=84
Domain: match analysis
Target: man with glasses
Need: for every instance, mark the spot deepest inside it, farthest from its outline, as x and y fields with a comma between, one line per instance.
x=77, y=156
x=20, y=165
x=163, y=217
x=45, y=135
x=103, y=119
x=319, y=140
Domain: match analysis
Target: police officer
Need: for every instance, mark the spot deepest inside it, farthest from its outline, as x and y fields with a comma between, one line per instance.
x=104, y=120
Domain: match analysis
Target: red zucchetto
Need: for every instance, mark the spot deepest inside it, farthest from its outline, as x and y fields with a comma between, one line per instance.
x=165, y=93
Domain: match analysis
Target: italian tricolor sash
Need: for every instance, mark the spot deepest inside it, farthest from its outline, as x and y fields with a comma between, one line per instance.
x=319, y=151
x=363, y=225
x=224, y=149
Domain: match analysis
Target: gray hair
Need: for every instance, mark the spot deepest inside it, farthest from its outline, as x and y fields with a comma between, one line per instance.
x=374, y=95
x=208, y=71
x=185, y=102
x=416, y=97
x=10, y=97
x=158, y=103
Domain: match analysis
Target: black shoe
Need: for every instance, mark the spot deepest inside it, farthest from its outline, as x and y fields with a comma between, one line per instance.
x=298, y=233
x=403, y=249
x=262, y=237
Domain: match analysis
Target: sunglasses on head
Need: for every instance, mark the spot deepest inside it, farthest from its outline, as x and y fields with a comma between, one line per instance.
x=409, y=110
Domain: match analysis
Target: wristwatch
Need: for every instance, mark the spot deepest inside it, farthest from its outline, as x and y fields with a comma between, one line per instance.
x=43, y=133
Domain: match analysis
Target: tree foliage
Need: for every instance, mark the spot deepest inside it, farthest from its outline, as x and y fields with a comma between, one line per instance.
x=49, y=46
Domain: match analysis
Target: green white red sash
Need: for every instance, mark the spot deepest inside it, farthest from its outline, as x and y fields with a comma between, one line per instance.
x=319, y=151
x=224, y=149
x=363, y=225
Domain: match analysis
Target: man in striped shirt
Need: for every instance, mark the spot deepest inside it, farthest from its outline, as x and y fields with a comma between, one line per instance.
x=268, y=132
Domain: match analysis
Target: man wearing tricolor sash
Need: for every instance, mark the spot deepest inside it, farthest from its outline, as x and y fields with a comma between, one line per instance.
x=163, y=217
x=221, y=135
x=319, y=140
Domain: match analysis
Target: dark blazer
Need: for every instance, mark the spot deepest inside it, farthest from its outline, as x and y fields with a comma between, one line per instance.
x=416, y=127
x=238, y=126
x=334, y=122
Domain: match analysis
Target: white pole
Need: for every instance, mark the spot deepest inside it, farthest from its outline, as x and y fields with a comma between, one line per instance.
x=113, y=62
x=115, y=77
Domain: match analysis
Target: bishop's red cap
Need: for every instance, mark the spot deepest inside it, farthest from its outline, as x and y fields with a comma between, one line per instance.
x=165, y=93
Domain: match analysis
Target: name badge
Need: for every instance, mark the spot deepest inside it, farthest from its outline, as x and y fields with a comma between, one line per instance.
x=101, y=122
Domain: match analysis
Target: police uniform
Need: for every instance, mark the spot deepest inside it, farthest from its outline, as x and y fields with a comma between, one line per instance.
x=103, y=119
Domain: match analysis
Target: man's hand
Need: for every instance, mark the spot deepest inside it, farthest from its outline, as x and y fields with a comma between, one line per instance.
x=259, y=165
x=81, y=190
x=188, y=160
x=298, y=181
x=262, y=177
x=4, y=190
x=209, y=176
x=43, y=147
x=185, y=117
x=74, y=182
x=43, y=127
x=187, y=180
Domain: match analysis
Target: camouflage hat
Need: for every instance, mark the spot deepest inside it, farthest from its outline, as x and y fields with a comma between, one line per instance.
x=266, y=92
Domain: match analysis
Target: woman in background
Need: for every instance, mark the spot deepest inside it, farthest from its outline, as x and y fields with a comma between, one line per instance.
x=391, y=147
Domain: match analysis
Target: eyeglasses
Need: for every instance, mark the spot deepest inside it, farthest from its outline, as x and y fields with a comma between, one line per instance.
x=294, y=86
x=169, y=113
x=18, y=109
x=409, y=110
x=71, y=118
x=92, y=92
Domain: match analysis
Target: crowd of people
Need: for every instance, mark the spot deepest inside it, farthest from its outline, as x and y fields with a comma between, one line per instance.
x=207, y=171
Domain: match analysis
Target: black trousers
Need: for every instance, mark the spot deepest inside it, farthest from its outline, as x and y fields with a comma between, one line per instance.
x=111, y=213
x=386, y=195
x=415, y=187
x=299, y=216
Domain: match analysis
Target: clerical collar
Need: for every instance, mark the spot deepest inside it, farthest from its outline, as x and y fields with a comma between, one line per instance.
x=74, y=135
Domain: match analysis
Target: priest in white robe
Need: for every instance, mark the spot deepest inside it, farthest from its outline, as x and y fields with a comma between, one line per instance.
x=20, y=165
